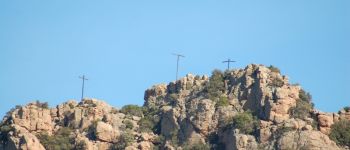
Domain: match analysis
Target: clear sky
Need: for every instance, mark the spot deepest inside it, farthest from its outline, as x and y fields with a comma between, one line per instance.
x=124, y=47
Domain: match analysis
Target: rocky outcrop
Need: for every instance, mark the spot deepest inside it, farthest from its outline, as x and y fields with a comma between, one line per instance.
x=233, y=140
x=306, y=140
x=183, y=113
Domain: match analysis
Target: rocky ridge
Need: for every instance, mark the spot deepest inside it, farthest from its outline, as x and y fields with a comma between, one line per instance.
x=193, y=112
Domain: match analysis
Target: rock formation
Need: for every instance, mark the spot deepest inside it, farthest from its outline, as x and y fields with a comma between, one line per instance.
x=194, y=112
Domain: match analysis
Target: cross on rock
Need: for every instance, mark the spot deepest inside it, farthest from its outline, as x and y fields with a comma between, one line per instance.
x=177, y=64
x=82, y=88
x=228, y=61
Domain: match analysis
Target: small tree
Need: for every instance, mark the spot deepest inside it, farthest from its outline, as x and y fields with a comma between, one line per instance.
x=216, y=85
x=223, y=101
x=4, y=130
x=128, y=124
x=340, y=132
x=245, y=122
x=60, y=140
x=124, y=141
x=43, y=105
x=303, y=106
x=274, y=69
x=132, y=110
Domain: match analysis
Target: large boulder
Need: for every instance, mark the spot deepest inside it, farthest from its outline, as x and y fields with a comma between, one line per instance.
x=233, y=140
x=105, y=132
x=306, y=140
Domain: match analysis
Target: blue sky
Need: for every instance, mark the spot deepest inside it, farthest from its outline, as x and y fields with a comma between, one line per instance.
x=124, y=47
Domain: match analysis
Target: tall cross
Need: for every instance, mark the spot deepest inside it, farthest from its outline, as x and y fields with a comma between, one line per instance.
x=228, y=61
x=177, y=64
x=82, y=88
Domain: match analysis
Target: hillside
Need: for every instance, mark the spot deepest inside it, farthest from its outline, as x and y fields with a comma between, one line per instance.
x=251, y=108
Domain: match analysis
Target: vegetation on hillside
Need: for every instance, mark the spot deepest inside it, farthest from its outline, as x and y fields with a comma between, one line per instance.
x=340, y=132
x=132, y=110
x=151, y=120
x=4, y=131
x=43, y=105
x=216, y=85
x=62, y=139
x=245, y=122
x=274, y=69
x=303, y=106
x=125, y=139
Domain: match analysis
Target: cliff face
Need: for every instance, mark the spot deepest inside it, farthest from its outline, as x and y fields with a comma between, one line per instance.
x=251, y=108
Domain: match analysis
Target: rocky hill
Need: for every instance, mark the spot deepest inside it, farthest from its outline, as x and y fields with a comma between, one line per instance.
x=251, y=108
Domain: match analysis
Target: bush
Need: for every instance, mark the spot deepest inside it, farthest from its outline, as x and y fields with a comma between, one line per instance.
x=60, y=140
x=305, y=96
x=158, y=142
x=216, y=86
x=276, y=82
x=347, y=109
x=81, y=145
x=245, y=122
x=274, y=69
x=301, y=110
x=282, y=129
x=223, y=101
x=146, y=125
x=151, y=120
x=303, y=106
x=132, y=110
x=4, y=130
x=340, y=132
x=128, y=124
x=124, y=141
x=43, y=105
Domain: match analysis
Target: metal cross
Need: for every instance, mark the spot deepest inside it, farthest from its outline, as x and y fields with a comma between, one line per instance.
x=177, y=64
x=228, y=61
x=82, y=88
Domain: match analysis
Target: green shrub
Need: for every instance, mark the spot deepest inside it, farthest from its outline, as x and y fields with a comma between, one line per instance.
x=132, y=110
x=71, y=106
x=158, y=142
x=276, y=82
x=303, y=106
x=282, y=129
x=305, y=96
x=146, y=124
x=81, y=145
x=128, y=124
x=223, y=101
x=245, y=122
x=4, y=130
x=340, y=132
x=43, y=105
x=274, y=69
x=124, y=141
x=60, y=140
x=151, y=120
x=347, y=109
x=216, y=85
x=301, y=110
